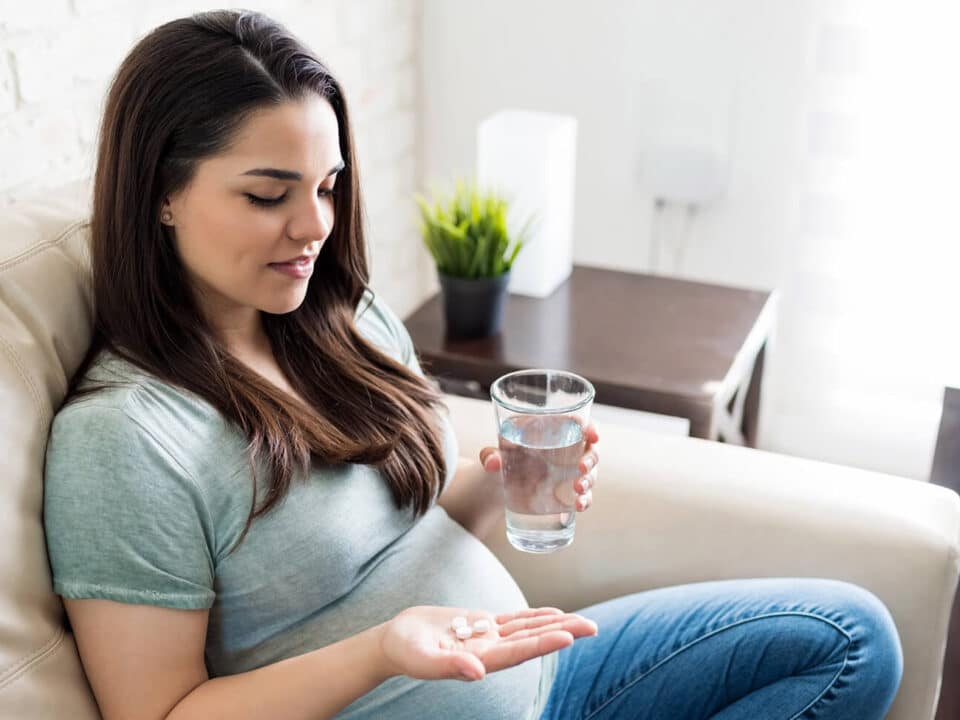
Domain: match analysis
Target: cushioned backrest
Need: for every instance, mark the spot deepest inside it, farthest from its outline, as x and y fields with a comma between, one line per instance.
x=45, y=328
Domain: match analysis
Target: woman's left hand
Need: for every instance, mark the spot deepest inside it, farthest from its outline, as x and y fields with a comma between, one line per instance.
x=583, y=486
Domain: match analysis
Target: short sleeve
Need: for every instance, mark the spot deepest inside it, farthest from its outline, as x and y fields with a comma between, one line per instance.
x=407, y=351
x=389, y=329
x=123, y=520
x=396, y=334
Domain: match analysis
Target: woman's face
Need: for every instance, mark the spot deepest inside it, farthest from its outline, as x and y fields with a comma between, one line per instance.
x=252, y=211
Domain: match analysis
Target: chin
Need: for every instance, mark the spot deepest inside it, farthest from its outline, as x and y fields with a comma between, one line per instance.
x=282, y=306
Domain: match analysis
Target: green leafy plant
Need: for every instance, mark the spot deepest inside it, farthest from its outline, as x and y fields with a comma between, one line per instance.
x=466, y=233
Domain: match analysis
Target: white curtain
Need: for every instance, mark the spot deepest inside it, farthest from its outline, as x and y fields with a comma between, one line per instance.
x=877, y=266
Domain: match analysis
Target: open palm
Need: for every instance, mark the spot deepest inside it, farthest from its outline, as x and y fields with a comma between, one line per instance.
x=418, y=642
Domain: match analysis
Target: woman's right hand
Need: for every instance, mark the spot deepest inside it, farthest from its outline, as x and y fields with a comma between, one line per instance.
x=418, y=642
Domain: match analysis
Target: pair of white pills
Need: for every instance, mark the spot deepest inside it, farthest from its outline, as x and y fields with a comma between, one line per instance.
x=464, y=630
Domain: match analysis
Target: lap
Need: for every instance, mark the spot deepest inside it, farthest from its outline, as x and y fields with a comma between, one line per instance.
x=689, y=651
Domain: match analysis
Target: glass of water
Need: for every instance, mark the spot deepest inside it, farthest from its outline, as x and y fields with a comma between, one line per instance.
x=541, y=415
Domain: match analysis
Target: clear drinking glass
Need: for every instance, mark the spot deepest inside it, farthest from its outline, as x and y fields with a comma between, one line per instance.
x=540, y=417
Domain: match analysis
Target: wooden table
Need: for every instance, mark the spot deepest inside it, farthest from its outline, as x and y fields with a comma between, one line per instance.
x=646, y=342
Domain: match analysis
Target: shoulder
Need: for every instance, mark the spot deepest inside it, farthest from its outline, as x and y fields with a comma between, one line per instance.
x=103, y=434
x=377, y=320
x=117, y=450
x=134, y=411
x=124, y=516
x=107, y=414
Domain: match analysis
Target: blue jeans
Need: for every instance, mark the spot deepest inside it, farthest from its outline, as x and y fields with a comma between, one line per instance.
x=762, y=649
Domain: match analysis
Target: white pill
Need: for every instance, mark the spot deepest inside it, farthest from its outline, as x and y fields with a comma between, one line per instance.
x=463, y=632
x=481, y=626
x=458, y=622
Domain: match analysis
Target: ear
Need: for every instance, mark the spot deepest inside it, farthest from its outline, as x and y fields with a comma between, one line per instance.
x=166, y=212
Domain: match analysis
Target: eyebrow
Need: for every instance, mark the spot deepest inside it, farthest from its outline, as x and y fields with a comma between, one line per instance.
x=289, y=174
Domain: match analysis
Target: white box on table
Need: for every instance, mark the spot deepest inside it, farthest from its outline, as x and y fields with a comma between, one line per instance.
x=530, y=157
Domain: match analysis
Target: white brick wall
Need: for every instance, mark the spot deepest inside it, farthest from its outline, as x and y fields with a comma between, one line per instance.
x=58, y=56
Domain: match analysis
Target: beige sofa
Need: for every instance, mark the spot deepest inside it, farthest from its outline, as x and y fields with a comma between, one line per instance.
x=668, y=510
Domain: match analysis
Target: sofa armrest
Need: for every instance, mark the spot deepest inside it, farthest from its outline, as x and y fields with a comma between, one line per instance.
x=672, y=510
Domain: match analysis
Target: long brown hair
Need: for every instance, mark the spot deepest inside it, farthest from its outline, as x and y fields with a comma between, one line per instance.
x=180, y=96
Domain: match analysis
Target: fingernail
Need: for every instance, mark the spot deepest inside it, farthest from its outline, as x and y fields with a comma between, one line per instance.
x=584, y=484
x=588, y=463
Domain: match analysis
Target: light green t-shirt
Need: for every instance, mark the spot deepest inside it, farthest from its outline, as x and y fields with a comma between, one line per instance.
x=147, y=487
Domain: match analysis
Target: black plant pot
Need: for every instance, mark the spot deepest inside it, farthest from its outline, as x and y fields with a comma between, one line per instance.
x=473, y=308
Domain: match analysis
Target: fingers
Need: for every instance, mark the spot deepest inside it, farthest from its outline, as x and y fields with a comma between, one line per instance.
x=490, y=459
x=589, y=461
x=566, y=495
x=467, y=666
x=586, y=482
x=584, y=501
x=517, y=637
x=584, y=489
x=529, y=622
x=576, y=494
x=507, y=654
x=591, y=434
x=527, y=613
x=576, y=625
x=460, y=664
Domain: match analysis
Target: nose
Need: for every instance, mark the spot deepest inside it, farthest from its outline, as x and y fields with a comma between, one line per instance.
x=313, y=221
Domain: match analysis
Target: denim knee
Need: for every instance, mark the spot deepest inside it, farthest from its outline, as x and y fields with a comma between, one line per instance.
x=875, y=660
x=881, y=635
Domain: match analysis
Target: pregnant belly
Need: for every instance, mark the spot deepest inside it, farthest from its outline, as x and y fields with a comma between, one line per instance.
x=436, y=562
x=440, y=563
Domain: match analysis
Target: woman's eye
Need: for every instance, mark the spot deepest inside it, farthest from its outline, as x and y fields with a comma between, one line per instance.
x=256, y=200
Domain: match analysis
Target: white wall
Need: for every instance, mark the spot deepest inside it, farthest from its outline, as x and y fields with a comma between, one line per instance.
x=538, y=55
x=834, y=115
x=769, y=86
x=57, y=56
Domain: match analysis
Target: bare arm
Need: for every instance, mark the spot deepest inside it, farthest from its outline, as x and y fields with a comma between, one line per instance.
x=147, y=662
x=474, y=498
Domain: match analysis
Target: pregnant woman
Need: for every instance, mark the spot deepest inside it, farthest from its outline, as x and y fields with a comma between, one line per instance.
x=254, y=502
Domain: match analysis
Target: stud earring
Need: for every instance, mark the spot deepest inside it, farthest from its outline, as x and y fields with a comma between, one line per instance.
x=166, y=216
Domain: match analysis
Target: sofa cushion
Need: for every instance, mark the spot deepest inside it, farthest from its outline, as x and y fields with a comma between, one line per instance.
x=46, y=316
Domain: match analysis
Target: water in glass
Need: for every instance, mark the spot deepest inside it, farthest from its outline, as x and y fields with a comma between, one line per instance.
x=541, y=455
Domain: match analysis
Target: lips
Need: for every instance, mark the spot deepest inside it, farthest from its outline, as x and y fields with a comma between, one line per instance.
x=299, y=267
x=298, y=259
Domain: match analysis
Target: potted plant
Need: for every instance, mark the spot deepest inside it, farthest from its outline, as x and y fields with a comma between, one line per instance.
x=468, y=238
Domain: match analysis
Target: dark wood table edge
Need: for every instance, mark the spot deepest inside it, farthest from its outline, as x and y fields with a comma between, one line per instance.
x=729, y=412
